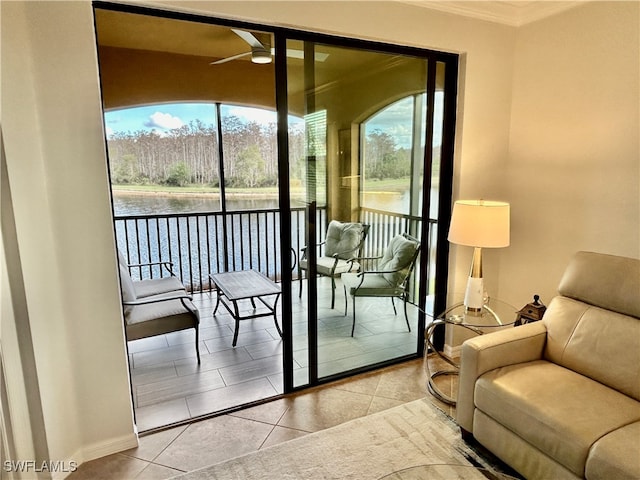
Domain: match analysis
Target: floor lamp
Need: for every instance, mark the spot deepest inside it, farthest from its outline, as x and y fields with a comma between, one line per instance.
x=479, y=224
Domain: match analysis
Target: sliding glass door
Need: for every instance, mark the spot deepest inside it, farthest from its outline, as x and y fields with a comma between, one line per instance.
x=373, y=124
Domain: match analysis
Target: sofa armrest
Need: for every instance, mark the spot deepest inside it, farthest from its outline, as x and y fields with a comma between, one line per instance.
x=488, y=352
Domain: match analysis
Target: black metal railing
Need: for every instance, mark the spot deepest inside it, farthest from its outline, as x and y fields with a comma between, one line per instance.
x=199, y=244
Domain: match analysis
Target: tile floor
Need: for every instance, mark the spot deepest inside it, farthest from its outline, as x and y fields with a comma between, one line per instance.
x=166, y=453
x=169, y=386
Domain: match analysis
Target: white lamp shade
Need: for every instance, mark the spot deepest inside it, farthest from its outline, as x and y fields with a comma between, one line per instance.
x=480, y=223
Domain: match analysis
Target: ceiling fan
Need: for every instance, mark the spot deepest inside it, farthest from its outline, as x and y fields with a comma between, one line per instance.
x=260, y=53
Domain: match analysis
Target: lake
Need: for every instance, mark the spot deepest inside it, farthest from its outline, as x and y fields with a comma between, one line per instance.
x=129, y=204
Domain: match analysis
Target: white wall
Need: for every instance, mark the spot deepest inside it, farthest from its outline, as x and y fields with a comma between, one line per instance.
x=56, y=166
x=55, y=156
x=574, y=158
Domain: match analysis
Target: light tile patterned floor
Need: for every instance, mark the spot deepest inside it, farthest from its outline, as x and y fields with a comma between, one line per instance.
x=167, y=453
x=170, y=387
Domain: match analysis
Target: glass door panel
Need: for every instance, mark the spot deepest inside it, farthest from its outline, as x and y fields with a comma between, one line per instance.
x=363, y=116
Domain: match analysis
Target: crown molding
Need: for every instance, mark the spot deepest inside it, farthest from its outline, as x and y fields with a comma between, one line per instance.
x=514, y=13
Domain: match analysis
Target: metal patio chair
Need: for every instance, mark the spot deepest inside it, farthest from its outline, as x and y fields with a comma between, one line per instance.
x=389, y=279
x=343, y=242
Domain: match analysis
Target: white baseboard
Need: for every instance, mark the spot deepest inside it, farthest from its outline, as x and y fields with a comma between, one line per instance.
x=102, y=449
x=98, y=450
x=452, y=352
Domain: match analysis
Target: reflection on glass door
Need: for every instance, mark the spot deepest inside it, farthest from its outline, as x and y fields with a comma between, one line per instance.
x=368, y=117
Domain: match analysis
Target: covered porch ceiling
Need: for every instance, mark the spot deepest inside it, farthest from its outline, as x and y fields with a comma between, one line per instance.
x=148, y=59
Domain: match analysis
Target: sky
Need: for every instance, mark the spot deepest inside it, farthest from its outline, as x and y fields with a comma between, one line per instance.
x=165, y=117
x=162, y=118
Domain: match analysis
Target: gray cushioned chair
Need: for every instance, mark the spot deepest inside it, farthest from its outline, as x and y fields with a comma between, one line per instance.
x=152, y=315
x=390, y=277
x=343, y=243
x=152, y=286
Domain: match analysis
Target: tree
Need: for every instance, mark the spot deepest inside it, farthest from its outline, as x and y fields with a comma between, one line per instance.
x=189, y=154
x=178, y=175
x=250, y=167
x=125, y=169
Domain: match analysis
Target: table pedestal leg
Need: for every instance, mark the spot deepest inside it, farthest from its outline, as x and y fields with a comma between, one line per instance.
x=431, y=385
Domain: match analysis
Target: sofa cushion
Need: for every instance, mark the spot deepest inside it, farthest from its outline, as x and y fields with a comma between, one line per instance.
x=606, y=281
x=558, y=411
x=616, y=455
x=598, y=343
x=516, y=451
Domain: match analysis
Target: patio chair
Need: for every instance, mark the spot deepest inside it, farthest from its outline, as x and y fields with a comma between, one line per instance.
x=158, y=314
x=152, y=286
x=389, y=279
x=343, y=242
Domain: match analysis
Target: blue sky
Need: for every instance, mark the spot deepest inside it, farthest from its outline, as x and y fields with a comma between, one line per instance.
x=164, y=117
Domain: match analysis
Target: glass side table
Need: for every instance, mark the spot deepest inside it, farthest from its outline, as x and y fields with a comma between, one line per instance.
x=495, y=315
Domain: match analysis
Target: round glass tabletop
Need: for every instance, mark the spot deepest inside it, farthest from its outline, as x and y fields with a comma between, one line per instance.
x=494, y=314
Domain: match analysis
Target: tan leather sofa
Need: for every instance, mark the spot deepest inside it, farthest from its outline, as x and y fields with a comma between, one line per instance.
x=560, y=398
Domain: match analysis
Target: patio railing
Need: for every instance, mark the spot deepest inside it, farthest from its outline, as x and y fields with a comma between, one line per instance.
x=199, y=244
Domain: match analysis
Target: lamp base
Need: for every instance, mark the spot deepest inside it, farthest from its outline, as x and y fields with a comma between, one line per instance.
x=474, y=297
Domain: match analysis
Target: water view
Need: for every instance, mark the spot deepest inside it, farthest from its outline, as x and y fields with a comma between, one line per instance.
x=129, y=204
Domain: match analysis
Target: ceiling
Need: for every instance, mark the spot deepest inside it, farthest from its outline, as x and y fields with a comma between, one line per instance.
x=159, y=34
x=145, y=59
x=508, y=12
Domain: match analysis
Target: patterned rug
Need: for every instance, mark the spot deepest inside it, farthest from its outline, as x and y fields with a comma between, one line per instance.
x=416, y=433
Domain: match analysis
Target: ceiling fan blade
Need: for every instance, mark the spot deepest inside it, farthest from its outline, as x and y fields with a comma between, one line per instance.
x=228, y=59
x=249, y=38
x=299, y=54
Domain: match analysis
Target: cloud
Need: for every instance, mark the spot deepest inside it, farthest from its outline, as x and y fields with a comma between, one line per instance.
x=257, y=115
x=109, y=132
x=163, y=120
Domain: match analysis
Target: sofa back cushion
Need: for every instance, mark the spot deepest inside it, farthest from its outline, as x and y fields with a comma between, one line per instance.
x=593, y=326
x=597, y=343
x=606, y=281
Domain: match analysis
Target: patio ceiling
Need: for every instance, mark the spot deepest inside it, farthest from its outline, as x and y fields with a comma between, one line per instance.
x=158, y=34
x=148, y=59
x=140, y=52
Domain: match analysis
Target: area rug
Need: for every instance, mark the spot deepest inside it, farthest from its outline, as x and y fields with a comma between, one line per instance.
x=370, y=447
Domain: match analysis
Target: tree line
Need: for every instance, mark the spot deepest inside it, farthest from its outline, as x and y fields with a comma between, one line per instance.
x=189, y=155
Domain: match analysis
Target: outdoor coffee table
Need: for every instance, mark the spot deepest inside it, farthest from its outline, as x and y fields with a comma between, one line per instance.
x=232, y=287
